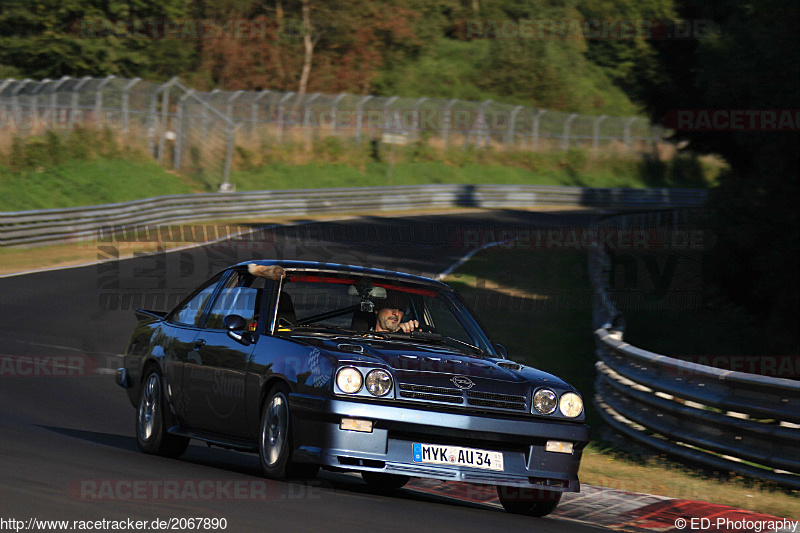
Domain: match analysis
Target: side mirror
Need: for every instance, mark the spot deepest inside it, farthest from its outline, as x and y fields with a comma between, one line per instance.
x=236, y=324
x=501, y=350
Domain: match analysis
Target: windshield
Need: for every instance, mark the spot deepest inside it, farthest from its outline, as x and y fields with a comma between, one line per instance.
x=374, y=307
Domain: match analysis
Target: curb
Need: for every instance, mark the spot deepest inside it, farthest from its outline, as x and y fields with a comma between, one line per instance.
x=625, y=511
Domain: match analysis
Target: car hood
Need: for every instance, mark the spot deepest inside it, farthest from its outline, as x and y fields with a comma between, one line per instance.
x=437, y=365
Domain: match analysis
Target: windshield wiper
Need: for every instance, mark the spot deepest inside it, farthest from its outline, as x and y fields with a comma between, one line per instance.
x=427, y=336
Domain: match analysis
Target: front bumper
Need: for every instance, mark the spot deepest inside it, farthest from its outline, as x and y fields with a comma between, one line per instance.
x=388, y=447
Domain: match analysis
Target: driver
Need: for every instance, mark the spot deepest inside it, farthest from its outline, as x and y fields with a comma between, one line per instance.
x=390, y=312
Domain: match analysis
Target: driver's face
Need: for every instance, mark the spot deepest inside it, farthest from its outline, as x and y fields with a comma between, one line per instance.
x=388, y=319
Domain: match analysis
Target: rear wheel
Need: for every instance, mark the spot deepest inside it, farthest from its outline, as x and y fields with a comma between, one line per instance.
x=275, y=439
x=151, y=431
x=382, y=481
x=528, y=501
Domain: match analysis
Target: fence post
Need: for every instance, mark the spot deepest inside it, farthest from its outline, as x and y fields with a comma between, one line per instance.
x=98, y=101
x=596, y=132
x=204, y=114
x=281, y=112
x=627, y=131
x=565, y=135
x=510, y=133
x=176, y=160
x=54, y=97
x=35, y=99
x=334, y=111
x=232, y=98
x=479, y=126
x=75, y=96
x=254, y=109
x=386, y=113
x=307, y=114
x=16, y=109
x=535, y=132
x=125, y=102
x=360, y=115
x=415, y=126
x=164, y=112
x=226, y=172
x=446, y=119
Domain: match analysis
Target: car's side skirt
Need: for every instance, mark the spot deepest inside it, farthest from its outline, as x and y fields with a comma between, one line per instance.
x=223, y=441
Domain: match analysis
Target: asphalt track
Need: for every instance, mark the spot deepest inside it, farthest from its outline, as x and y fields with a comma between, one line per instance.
x=67, y=431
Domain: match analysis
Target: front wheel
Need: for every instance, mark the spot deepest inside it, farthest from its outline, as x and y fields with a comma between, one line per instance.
x=275, y=440
x=527, y=500
x=151, y=430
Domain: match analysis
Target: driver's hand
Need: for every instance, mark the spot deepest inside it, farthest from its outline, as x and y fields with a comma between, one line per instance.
x=408, y=327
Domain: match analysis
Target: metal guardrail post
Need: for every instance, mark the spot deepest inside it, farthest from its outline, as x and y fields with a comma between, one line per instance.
x=565, y=135
x=360, y=115
x=98, y=101
x=596, y=132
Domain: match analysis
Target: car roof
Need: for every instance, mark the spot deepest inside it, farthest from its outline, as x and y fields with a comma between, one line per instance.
x=313, y=266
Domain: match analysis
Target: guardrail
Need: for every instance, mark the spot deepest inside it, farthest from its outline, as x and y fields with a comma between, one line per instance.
x=732, y=421
x=52, y=226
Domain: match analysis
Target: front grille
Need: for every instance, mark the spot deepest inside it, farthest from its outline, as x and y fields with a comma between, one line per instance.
x=496, y=400
x=431, y=394
x=453, y=396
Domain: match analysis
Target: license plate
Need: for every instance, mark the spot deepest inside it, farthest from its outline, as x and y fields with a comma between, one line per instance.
x=457, y=456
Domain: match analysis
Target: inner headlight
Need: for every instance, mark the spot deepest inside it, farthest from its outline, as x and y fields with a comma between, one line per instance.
x=545, y=401
x=571, y=405
x=379, y=382
x=349, y=380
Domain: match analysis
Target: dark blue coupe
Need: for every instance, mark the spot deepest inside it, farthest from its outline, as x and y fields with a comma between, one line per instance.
x=346, y=368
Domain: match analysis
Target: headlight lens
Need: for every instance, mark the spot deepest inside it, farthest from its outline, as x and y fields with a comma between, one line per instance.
x=379, y=382
x=545, y=401
x=571, y=405
x=349, y=380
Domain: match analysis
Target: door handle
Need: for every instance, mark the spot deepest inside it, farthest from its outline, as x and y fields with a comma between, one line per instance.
x=199, y=343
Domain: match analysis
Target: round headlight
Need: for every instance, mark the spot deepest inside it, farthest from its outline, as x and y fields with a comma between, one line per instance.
x=545, y=401
x=571, y=405
x=379, y=382
x=349, y=380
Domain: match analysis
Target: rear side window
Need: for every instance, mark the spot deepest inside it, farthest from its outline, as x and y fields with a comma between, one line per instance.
x=190, y=313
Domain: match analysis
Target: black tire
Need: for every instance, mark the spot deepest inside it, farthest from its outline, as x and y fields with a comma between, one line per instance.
x=382, y=481
x=275, y=439
x=151, y=430
x=528, y=501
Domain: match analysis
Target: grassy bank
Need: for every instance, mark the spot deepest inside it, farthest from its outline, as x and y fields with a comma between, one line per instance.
x=89, y=168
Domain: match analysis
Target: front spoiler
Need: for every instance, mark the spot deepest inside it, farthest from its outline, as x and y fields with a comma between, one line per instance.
x=388, y=447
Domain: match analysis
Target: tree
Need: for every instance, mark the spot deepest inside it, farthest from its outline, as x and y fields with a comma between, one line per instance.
x=746, y=58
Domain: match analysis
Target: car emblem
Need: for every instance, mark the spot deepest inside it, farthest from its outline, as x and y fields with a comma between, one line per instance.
x=462, y=382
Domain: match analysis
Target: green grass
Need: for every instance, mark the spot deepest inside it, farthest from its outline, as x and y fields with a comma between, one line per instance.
x=78, y=183
x=90, y=168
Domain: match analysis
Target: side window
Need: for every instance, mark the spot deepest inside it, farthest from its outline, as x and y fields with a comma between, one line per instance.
x=191, y=312
x=240, y=295
x=444, y=322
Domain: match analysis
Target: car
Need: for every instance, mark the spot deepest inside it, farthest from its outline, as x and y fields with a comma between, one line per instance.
x=302, y=363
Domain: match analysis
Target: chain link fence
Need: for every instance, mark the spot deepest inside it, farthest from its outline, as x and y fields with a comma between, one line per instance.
x=198, y=131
